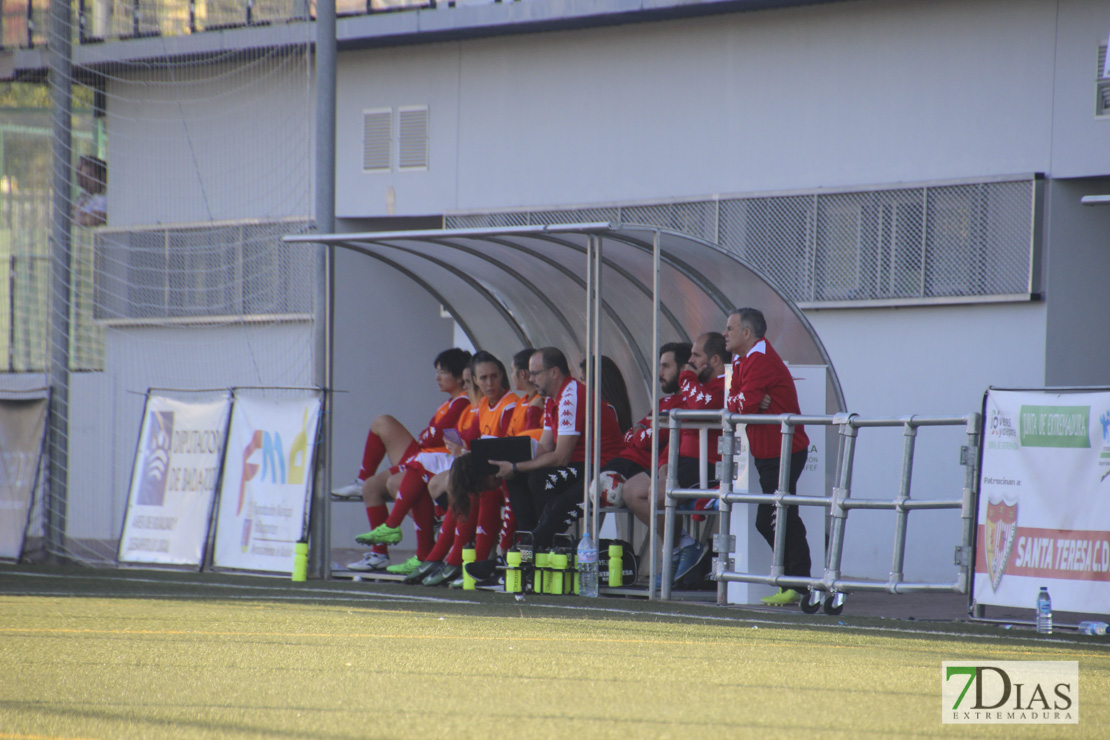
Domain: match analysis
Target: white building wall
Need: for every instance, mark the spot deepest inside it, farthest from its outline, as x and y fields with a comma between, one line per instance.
x=827, y=96
x=839, y=95
x=210, y=143
x=932, y=362
x=106, y=408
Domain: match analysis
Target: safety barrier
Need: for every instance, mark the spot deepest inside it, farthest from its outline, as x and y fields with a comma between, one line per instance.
x=831, y=586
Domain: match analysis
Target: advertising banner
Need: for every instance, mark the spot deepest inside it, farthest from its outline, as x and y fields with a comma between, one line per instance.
x=174, y=478
x=22, y=430
x=266, y=483
x=1043, y=514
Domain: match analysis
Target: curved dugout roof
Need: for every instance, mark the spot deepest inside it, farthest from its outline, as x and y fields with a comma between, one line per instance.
x=513, y=287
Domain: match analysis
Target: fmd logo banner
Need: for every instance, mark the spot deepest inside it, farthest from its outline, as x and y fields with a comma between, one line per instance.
x=1009, y=692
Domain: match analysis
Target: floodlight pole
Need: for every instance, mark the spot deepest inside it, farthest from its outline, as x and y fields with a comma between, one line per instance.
x=323, y=329
x=60, y=56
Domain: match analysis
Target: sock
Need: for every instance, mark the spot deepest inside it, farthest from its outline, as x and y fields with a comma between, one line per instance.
x=445, y=540
x=685, y=541
x=489, y=523
x=412, y=489
x=508, y=523
x=377, y=515
x=464, y=532
x=372, y=456
x=423, y=517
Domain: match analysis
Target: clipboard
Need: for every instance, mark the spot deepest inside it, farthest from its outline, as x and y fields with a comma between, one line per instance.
x=511, y=449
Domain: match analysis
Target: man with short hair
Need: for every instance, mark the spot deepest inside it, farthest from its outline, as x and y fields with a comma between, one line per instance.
x=761, y=383
x=546, y=491
x=701, y=385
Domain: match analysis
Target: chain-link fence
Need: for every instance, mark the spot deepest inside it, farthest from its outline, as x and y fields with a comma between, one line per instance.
x=964, y=241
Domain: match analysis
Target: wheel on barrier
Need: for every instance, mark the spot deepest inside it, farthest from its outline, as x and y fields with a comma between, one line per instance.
x=811, y=602
x=834, y=604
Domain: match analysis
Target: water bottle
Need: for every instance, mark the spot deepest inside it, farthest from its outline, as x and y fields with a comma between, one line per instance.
x=1044, y=612
x=557, y=565
x=616, y=566
x=468, y=556
x=1093, y=628
x=300, y=561
x=513, y=580
x=540, y=576
x=587, y=567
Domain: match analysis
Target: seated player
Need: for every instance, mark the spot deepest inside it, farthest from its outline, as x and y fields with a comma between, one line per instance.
x=546, y=492
x=389, y=436
x=701, y=383
x=527, y=421
x=491, y=416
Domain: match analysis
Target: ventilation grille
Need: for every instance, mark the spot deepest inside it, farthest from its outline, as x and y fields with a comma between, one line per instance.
x=377, y=139
x=962, y=242
x=412, y=130
x=1102, y=85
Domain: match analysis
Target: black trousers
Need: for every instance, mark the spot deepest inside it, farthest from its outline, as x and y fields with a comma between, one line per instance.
x=796, y=561
x=547, y=501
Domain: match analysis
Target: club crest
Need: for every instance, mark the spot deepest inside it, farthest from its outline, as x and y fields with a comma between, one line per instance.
x=1000, y=529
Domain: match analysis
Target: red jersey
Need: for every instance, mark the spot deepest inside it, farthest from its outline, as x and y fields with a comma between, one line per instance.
x=565, y=414
x=696, y=396
x=446, y=416
x=637, y=442
x=760, y=373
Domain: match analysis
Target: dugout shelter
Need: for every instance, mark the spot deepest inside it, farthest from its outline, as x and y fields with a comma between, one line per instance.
x=620, y=290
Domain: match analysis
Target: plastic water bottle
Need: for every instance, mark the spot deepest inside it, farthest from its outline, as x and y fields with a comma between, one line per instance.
x=1044, y=612
x=1093, y=628
x=587, y=567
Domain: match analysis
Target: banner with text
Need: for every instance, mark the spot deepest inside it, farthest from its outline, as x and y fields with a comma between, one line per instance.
x=173, y=482
x=266, y=483
x=1043, y=494
x=22, y=430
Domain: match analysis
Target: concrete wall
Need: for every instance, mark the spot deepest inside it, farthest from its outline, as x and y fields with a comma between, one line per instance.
x=106, y=408
x=210, y=143
x=387, y=333
x=1077, y=276
x=834, y=95
x=1078, y=136
x=932, y=362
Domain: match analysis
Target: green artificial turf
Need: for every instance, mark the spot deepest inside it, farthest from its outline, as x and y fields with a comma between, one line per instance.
x=135, y=656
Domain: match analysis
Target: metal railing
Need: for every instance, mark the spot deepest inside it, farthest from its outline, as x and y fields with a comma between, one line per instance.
x=831, y=586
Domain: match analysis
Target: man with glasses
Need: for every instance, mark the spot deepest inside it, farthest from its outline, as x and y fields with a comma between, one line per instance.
x=546, y=491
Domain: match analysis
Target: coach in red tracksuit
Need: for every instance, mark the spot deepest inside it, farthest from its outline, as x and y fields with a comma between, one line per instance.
x=758, y=373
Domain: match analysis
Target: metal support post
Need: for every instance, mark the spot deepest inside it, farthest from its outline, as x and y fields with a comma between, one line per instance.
x=783, y=489
x=724, y=518
x=897, y=566
x=324, y=316
x=60, y=55
x=968, y=510
x=840, y=494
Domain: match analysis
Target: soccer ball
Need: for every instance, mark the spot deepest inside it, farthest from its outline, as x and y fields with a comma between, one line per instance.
x=610, y=486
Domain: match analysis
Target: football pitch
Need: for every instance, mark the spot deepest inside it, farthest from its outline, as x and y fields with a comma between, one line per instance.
x=138, y=654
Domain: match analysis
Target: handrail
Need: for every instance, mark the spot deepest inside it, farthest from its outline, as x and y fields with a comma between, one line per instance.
x=831, y=585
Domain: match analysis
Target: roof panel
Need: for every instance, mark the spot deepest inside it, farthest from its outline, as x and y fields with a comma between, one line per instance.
x=528, y=284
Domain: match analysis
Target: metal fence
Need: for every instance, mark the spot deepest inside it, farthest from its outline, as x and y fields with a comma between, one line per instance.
x=197, y=272
x=930, y=243
x=830, y=587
